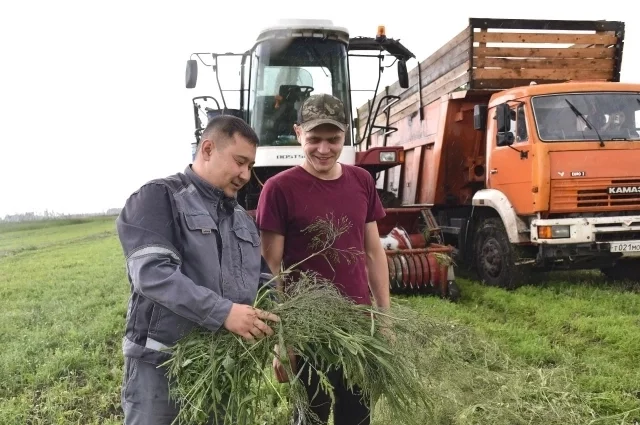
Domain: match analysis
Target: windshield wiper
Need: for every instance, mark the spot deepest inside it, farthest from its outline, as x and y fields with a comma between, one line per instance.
x=586, y=121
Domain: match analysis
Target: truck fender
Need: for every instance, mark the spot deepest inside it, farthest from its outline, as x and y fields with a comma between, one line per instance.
x=516, y=228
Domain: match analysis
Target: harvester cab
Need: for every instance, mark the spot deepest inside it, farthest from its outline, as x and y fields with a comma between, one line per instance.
x=289, y=62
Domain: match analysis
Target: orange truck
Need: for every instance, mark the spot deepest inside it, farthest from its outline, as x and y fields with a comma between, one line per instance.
x=524, y=146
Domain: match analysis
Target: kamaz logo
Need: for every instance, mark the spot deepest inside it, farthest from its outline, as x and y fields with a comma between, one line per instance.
x=294, y=156
x=624, y=189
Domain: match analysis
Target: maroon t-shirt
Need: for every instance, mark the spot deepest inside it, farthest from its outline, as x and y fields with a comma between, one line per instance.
x=293, y=199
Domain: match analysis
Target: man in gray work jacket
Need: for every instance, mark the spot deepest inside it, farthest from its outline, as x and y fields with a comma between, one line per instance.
x=193, y=259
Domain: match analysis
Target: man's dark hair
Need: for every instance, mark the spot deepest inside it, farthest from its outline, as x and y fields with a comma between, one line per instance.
x=227, y=126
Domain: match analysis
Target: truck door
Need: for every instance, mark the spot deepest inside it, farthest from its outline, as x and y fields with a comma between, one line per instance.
x=510, y=165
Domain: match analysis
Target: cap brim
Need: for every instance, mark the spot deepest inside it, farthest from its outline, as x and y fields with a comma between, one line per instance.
x=310, y=125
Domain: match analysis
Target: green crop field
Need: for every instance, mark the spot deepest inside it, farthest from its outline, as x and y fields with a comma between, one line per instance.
x=565, y=351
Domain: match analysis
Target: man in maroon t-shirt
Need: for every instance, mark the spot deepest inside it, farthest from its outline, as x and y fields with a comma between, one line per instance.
x=323, y=188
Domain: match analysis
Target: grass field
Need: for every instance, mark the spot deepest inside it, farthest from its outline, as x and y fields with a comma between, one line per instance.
x=566, y=351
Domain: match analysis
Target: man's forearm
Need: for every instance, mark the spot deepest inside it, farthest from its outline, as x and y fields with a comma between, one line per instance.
x=378, y=273
x=274, y=266
x=272, y=252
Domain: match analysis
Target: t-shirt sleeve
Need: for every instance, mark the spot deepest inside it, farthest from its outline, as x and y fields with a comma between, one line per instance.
x=272, y=210
x=375, y=210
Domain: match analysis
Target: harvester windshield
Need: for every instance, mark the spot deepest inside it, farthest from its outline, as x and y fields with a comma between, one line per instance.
x=612, y=116
x=284, y=72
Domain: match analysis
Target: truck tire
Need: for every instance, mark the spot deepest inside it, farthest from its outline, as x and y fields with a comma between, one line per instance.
x=623, y=270
x=494, y=256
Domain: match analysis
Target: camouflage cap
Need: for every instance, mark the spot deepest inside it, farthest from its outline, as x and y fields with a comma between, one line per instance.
x=322, y=109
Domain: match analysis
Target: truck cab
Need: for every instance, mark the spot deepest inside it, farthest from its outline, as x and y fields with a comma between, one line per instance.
x=563, y=163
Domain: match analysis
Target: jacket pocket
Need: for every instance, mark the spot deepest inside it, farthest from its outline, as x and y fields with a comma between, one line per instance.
x=166, y=328
x=200, y=222
x=156, y=316
x=248, y=255
x=200, y=242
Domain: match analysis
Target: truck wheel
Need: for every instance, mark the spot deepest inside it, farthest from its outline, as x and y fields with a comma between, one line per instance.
x=495, y=259
x=623, y=270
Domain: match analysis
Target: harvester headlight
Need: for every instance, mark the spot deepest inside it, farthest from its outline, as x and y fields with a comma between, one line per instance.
x=387, y=157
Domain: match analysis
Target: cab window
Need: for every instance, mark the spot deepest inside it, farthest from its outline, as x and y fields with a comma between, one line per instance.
x=521, y=125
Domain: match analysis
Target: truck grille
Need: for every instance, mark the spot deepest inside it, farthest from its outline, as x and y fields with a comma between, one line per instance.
x=593, y=194
x=617, y=236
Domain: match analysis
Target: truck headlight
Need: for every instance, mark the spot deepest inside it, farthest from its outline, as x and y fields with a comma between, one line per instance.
x=387, y=157
x=554, y=232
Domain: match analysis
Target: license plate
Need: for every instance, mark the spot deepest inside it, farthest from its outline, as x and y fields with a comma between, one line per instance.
x=631, y=246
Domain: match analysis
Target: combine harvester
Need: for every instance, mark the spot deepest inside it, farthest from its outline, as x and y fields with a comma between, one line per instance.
x=520, y=139
x=287, y=63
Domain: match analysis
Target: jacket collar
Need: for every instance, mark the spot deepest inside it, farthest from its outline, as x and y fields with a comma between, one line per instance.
x=208, y=191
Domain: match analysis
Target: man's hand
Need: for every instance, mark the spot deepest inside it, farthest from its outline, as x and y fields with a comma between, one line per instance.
x=247, y=322
x=278, y=367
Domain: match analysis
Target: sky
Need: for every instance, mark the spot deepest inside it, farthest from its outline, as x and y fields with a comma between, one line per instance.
x=92, y=96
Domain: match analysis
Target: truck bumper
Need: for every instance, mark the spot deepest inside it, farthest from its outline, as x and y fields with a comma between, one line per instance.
x=619, y=236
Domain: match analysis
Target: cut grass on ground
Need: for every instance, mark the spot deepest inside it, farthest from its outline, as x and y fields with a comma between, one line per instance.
x=566, y=351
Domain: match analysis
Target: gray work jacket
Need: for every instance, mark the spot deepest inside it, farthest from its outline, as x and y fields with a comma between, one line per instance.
x=190, y=253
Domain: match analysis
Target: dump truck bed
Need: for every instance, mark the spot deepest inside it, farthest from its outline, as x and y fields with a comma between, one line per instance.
x=497, y=54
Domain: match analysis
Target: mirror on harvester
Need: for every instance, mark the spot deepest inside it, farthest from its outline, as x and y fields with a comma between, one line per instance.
x=403, y=75
x=191, y=74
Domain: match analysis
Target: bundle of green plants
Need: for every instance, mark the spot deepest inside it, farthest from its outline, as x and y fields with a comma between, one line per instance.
x=222, y=375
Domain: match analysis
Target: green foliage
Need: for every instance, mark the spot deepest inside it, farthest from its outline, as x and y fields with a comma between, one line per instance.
x=62, y=308
x=223, y=372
